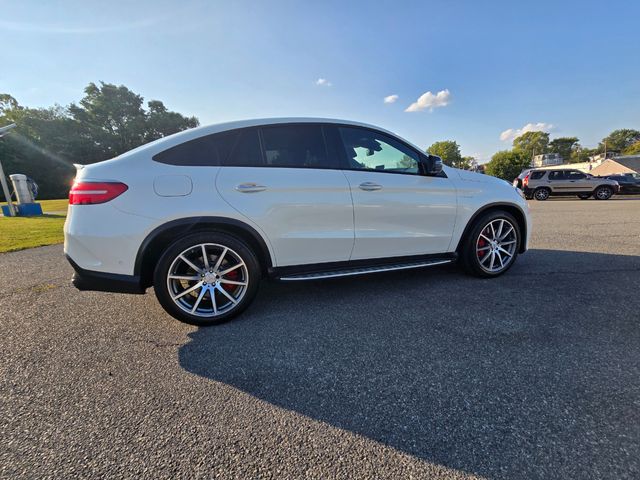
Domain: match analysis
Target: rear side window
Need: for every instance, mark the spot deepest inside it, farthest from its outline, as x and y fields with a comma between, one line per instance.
x=210, y=150
x=246, y=151
x=292, y=146
x=537, y=175
x=557, y=175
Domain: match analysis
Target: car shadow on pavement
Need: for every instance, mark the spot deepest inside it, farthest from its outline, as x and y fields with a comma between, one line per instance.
x=533, y=374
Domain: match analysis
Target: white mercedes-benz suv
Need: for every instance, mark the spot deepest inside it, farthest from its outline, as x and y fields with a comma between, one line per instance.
x=204, y=214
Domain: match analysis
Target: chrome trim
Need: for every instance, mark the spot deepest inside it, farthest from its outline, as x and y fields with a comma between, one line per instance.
x=362, y=271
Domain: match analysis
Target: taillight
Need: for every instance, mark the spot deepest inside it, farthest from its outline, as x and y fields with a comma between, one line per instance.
x=90, y=193
x=525, y=180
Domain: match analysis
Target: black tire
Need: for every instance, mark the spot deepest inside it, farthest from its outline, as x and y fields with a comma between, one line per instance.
x=542, y=194
x=584, y=196
x=217, y=240
x=603, y=192
x=469, y=257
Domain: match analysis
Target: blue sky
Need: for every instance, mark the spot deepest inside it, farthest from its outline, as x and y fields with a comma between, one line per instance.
x=570, y=67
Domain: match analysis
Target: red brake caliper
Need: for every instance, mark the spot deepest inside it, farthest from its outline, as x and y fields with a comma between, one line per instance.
x=481, y=243
x=232, y=275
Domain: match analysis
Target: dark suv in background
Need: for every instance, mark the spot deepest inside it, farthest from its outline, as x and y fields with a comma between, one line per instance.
x=541, y=184
x=629, y=183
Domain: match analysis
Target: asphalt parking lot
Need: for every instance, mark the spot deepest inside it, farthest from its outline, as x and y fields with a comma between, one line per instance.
x=421, y=374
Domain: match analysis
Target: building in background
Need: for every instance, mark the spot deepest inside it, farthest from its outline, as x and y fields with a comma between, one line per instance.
x=601, y=157
x=622, y=164
x=546, y=160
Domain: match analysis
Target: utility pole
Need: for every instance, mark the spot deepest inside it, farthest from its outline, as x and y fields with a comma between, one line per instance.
x=3, y=180
x=605, y=150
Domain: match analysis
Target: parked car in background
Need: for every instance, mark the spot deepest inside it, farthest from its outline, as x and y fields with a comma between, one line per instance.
x=629, y=183
x=204, y=214
x=517, y=182
x=542, y=184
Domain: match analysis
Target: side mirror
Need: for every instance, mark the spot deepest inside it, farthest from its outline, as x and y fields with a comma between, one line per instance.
x=431, y=165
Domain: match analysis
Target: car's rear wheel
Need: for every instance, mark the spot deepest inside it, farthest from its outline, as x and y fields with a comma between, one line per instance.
x=584, y=196
x=603, y=193
x=491, y=246
x=206, y=278
x=542, y=194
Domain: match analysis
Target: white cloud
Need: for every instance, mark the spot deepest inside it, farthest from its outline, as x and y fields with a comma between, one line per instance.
x=511, y=133
x=390, y=99
x=323, y=82
x=430, y=101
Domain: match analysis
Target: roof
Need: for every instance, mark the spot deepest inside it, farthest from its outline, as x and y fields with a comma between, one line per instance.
x=186, y=135
x=630, y=161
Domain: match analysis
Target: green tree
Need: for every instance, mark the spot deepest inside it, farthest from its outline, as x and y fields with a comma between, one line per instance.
x=620, y=140
x=113, y=120
x=38, y=147
x=449, y=151
x=564, y=146
x=507, y=164
x=580, y=154
x=108, y=121
x=633, y=149
x=532, y=143
x=467, y=162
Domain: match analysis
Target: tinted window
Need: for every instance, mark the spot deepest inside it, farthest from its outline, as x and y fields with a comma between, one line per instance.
x=557, y=175
x=537, y=175
x=204, y=151
x=575, y=175
x=295, y=146
x=370, y=150
x=246, y=152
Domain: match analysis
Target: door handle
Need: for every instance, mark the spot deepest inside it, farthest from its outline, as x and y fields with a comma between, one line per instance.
x=250, y=188
x=369, y=186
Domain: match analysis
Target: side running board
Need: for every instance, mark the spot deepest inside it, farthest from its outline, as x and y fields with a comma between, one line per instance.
x=347, y=272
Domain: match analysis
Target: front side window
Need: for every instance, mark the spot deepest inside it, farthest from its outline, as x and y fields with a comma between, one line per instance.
x=370, y=150
x=292, y=146
x=575, y=175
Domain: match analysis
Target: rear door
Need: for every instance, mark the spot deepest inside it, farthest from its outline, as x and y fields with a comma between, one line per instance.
x=397, y=210
x=283, y=178
x=557, y=180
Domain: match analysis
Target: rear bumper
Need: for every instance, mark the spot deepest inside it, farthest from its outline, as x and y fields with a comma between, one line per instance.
x=104, y=282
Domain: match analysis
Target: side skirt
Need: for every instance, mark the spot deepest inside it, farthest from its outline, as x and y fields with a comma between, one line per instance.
x=358, y=267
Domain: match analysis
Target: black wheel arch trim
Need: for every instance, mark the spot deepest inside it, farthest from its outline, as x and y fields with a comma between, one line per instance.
x=192, y=224
x=522, y=222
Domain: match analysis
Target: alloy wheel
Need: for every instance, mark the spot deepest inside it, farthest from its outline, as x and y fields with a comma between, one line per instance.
x=542, y=194
x=496, y=245
x=603, y=193
x=207, y=280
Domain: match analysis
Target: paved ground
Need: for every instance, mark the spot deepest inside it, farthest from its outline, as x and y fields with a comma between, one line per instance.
x=427, y=374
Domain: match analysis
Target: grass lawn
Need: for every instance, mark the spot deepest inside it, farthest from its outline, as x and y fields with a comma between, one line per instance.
x=17, y=233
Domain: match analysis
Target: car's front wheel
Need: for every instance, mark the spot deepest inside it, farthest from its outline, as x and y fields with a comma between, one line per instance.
x=206, y=278
x=491, y=246
x=603, y=193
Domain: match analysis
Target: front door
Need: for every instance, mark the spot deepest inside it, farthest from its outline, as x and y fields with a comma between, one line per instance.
x=397, y=211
